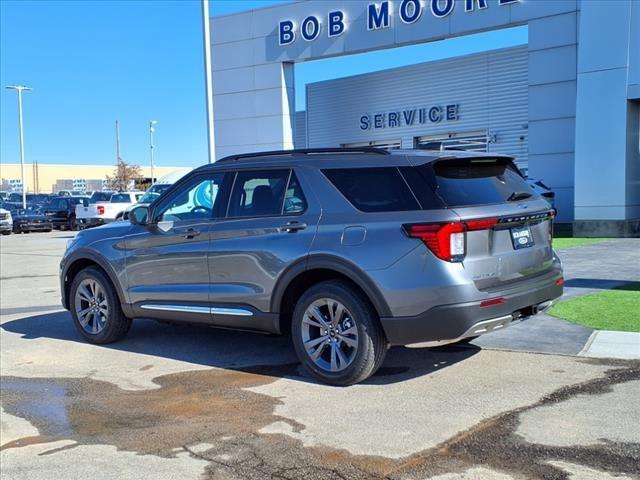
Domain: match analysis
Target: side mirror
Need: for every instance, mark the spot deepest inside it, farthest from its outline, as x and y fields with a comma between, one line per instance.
x=139, y=215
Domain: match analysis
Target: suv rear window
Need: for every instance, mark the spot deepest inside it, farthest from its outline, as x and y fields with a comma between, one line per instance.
x=120, y=198
x=467, y=182
x=378, y=189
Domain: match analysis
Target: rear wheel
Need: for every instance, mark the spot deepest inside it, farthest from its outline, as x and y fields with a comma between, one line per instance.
x=95, y=307
x=337, y=334
x=73, y=225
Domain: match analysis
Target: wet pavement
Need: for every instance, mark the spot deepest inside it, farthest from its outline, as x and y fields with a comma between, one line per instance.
x=193, y=402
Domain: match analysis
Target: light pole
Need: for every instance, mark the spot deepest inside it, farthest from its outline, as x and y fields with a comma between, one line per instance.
x=20, y=89
x=152, y=129
x=208, y=81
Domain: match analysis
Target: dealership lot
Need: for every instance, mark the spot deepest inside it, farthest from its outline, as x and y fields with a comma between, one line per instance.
x=192, y=402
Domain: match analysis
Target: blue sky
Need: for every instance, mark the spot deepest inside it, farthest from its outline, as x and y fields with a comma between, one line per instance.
x=92, y=62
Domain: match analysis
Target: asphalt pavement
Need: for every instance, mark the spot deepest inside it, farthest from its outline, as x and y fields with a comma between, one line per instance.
x=194, y=402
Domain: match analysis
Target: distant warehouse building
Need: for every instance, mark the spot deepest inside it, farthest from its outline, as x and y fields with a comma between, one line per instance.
x=51, y=178
x=566, y=105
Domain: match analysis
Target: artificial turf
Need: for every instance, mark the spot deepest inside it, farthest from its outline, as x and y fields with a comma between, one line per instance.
x=615, y=309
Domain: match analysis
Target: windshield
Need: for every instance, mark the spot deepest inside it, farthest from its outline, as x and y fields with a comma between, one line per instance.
x=153, y=193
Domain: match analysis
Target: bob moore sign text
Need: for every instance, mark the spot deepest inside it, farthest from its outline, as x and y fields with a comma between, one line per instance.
x=378, y=16
x=410, y=116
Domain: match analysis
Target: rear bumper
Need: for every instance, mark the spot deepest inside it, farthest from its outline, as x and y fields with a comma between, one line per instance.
x=456, y=321
x=90, y=222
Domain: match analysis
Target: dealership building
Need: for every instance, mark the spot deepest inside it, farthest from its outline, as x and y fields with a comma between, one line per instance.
x=566, y=105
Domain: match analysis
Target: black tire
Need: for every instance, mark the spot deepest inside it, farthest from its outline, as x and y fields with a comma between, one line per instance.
x=371, y=343
x=6, y=232
x=48, y=230
x=73, y=225
x=116, y=325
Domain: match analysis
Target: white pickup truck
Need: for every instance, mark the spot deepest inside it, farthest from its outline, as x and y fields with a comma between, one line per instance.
x=94, y=214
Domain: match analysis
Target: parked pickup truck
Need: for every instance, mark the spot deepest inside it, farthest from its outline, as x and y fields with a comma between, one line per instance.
x=99, y=213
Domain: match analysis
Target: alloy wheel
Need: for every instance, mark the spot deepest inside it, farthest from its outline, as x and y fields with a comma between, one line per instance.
x=92, y=307
x=329, y=335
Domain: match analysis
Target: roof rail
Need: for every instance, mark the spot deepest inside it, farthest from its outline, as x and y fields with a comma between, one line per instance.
x=304, y=151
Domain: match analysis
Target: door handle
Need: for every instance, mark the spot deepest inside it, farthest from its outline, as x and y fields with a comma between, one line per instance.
x=189, y=233
x=292, y=227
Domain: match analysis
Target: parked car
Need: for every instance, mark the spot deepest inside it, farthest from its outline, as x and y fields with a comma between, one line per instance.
x=352, y=250
x=95, y=214
x=31, y=220
x=158, y=189
x=62, y=212
x=543, y=190
x=6, y=222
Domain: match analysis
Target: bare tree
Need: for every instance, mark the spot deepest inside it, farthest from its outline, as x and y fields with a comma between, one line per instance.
x=124, y=176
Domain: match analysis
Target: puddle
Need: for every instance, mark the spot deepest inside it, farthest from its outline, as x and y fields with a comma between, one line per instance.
x=211, y=415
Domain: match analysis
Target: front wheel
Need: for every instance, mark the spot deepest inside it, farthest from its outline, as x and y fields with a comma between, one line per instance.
x=95, y=307
x=337, y=334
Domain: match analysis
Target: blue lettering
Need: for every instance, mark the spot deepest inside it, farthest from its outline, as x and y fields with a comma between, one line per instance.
x=469, y=5
x=435, y=114
x=409, y=116
x=336, y=23
x=310, y=28
x=410, y=15
x=364, y=122
x=452, y=112
x=378, y=17
x=423, y=116
x=507, y=2
x=393, y=119
x=287, y=35
x=378, y=120
x=439, y=11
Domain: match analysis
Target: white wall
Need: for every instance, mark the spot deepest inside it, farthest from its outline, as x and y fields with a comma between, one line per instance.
x=603, y=154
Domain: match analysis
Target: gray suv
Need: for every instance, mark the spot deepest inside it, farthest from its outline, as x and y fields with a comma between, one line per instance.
x=349, y=250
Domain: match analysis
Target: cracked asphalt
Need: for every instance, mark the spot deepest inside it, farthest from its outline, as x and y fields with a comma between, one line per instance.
x=192, y=402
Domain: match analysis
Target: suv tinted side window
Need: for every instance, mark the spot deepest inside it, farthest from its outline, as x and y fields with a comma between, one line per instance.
x=258, y=193
x=197, y=199
x=378, y=189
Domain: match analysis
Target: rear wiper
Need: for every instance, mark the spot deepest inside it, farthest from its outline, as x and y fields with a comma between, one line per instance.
x=518, y=196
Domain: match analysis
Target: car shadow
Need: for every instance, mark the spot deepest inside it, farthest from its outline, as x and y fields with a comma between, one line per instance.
x=601, y=284
x=242, y=351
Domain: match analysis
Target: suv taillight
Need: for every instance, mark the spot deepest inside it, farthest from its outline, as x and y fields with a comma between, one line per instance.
x=100, y=209
x=447, y=241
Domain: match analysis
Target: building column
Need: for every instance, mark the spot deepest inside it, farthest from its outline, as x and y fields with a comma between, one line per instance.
x=606, y=195
x=253, y=90
x=552, y=106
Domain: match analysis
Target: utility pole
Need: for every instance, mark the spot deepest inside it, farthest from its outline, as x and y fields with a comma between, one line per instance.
x=20, y=89
x=118, y=158
x=152, y=130
x=206, y=34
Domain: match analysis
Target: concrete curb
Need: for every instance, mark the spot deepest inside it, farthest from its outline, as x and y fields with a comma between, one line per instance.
x=610, y=344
